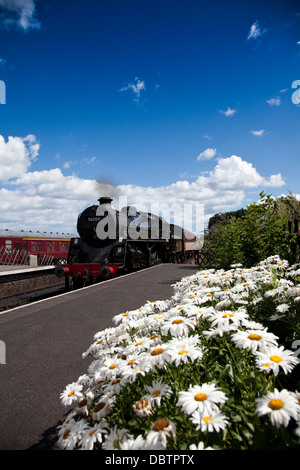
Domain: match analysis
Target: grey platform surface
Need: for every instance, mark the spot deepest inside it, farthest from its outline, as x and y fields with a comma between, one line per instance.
x=44, y=343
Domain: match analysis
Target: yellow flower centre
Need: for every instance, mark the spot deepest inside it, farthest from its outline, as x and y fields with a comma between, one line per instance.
x=139, y=343
x=254, y=337
x=207, y=419
x=275, y=404
x=227, y=315
x=183, y=351
x=156, y=393
x=92, y=432
x=125, y=314
x=157, y=351
x=200, y=397
x=177, y=321
x=160, y=424
x=112, y=366
x=100, y=341
x=276, y=359
x=179, y=308
x=71, y=393
x=131, y=362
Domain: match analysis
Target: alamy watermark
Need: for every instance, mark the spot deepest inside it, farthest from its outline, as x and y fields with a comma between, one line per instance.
x=2, y=353
x=2, y=92
x=296, y=94
x=155, y=221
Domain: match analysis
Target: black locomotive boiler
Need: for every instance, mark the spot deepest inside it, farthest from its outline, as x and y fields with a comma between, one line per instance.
x=112, y=242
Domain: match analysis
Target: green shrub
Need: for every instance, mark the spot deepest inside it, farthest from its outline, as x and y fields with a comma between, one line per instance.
x=263, y=230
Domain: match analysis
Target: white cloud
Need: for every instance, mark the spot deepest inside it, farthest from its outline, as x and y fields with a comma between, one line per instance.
x=89, y=161
x=258, y=133
x=207, y=154
x=235, y=173
x=274, y=101
x=20, y=13
x=136, y=87
x=16, y=156
x=228, y=112
x=255, y=31
x=50, y=201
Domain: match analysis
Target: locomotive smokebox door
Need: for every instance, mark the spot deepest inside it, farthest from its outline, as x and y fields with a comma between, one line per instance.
x=98, y=225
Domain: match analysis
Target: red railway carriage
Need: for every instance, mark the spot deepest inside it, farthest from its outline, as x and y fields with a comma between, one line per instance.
x=46, y=246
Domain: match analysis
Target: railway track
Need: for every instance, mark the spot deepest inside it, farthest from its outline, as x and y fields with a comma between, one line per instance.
x=29, y=297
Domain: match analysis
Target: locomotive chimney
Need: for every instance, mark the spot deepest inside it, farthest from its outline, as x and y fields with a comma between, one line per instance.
x=105, y=200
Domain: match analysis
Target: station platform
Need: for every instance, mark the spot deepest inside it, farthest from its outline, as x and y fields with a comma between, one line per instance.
x=18, y=268
x=44, y=342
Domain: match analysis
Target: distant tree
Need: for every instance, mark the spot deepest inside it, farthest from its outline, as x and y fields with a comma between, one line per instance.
x=262, y=229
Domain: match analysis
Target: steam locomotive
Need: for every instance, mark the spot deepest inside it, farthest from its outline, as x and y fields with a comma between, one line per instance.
x=112, y=242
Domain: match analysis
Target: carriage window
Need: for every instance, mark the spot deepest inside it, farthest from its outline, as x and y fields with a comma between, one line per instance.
x=36, y=246
x=63, y=246
x=50, y=246
x=8, y=246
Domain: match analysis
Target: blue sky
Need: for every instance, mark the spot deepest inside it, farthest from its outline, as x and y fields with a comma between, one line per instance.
x=164, y=101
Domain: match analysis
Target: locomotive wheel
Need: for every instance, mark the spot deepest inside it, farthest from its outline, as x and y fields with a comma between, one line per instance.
x=77, y=282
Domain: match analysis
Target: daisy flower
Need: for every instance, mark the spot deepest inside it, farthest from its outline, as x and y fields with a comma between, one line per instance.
x=209, y=422
x=201, y=397
x=254, y=339
x=183, y=350
x=111, y=367
x=279, y=405
x=64, y=431
x=157, y=390
x=200, y=446
x=133, y=443
x=129, y=373
x=139, y=344
x=282, y=308
x=114, y=439
x=156, y=438
x=71, y=394
x=102, y=408
x=73, y=435
x=275, y=358
x=143, y=407
x=92, y=436
x=156, y=357
x=227, y=317
x=178, y=326
x=220, y=331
